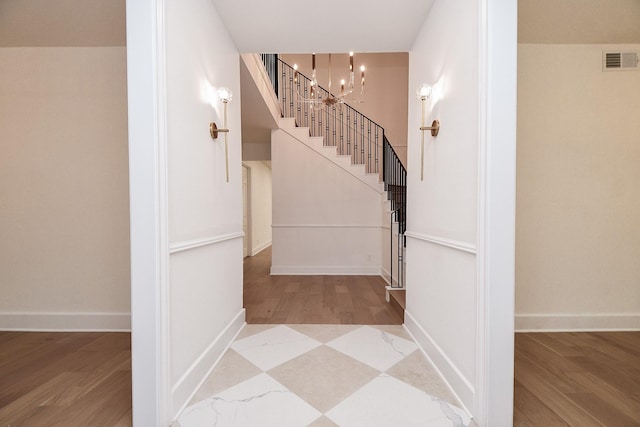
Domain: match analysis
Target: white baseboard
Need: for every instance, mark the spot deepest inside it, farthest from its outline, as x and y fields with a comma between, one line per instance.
x=585, y=322
x=459, y=385
x=256, y=251
x=65, y=322
x=312, y=270
x=192, y=379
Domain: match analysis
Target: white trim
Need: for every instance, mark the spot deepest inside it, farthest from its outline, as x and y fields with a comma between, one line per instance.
x=443, y=241
x=163, y=328
x=65, y=321
x=449, y=373
x=583, y=322
x=247, y=238
x=260, y=248
x=206, y=241
x=326, y=226
x=497, y=48
x=189, y=383
x=481, y=398
x=147, y=131
x=312, y=270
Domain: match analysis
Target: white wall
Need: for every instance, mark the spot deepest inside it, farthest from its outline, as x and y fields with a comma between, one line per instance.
x=186, y=219
x=460, y=217
x=578, y=206
x=325, y=221
x=256, y=151
x=260, y=205
x=64, y=240
x=441, y=280
x=205, y=281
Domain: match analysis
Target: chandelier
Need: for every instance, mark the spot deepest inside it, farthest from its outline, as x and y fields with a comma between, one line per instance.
x=318, y=97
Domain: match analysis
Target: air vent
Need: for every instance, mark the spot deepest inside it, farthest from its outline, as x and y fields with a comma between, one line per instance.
x=620, y=61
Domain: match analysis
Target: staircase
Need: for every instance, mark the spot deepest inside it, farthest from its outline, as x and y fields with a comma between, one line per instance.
x=347, y=137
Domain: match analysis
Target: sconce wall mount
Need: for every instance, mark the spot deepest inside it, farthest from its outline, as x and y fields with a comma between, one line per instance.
x=424, y=92
x=434, y=128
x=224, y=95
x=213, y=130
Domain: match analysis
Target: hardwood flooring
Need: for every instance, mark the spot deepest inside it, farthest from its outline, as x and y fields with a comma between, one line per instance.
x=577, y=379
x=84, y=379
x=65, y=379
x=313, y=299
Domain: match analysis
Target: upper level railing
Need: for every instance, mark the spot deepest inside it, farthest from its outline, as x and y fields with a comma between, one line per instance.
x=342, y=126
x=270, y=61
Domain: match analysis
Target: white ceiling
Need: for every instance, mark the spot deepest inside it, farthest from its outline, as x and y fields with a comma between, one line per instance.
x=323, y=26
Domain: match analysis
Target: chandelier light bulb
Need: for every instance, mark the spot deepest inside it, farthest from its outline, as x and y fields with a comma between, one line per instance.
x=309, y=91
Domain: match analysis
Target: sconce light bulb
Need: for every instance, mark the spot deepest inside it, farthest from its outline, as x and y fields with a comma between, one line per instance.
x=224, y=94
x=295, y=67
x=424, y=91
x=362, y=68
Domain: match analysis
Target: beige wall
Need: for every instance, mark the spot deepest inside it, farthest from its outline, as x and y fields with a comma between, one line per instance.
x=578, y=190
x=385, y=98
x=64, y=234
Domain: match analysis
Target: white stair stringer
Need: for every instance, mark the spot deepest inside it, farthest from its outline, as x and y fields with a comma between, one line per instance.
x=316, y=143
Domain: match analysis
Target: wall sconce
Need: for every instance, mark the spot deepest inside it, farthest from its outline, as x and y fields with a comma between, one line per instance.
x=224, y=95
x=424, y=92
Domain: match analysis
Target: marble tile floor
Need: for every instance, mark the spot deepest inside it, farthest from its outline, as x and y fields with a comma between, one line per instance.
x=323, y=375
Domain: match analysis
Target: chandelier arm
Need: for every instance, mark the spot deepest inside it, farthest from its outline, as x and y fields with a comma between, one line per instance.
x=320, y=97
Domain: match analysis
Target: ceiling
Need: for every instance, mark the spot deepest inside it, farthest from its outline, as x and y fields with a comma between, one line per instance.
x=299, y=26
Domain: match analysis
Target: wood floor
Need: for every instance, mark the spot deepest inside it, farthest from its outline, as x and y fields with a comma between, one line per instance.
x=84, y=379
x=577, y=379
x=65, y=379
x=313, y=299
